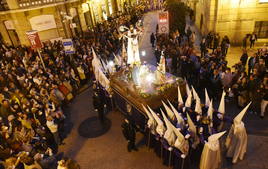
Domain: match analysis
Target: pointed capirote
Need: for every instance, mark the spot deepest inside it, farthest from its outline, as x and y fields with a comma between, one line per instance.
x=192, y=127
x=167, y=122
x=169, y=111
x=207, y=100
x=177, y=133
x=180, y=120
x=198, y=108
x=157, y=119
x=216, y=136
x=239, y=117
x=195, y=95
x=188, y=90
x=221, y=108
x=180, y=100
x=188, y=102
x=149, y=115
x=210, y=110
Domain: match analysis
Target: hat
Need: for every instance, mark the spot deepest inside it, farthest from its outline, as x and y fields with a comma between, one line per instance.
x=180, y=100
x=222, y=103
x=198, y=108
x=188, y=102
x=192, y=127
x=178, y=116
x=216, y=136
x=177, y=133
x=160, y=128
x=169, y=111
x=210, y=110
x=207, y=103
x=239, y=117
x=196, y=97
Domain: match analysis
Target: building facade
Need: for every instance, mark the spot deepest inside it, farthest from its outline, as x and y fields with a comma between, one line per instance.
x=53, y=19
x=234, y=18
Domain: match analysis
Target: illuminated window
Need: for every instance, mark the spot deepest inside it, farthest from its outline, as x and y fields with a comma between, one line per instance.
x=261, y=29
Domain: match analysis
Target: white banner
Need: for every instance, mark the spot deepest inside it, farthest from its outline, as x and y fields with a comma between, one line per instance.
x=43, y=22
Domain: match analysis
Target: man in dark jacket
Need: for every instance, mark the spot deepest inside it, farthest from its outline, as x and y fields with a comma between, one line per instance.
x=98, y=104
x=152, y=39
x=129, y=132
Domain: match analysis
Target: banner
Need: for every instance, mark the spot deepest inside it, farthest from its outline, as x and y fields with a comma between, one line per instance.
x=68, y=46
x=34, y=39
x=163, y=23
x=43, y=22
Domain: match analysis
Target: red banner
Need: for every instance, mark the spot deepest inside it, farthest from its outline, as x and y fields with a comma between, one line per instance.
x=34, y=39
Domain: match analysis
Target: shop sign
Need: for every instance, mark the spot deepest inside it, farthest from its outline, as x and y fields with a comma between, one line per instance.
x=68, y=46
x=43, y=22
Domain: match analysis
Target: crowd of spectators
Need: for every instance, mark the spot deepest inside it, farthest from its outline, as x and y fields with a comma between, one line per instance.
x=33, y=99
x=210, y=69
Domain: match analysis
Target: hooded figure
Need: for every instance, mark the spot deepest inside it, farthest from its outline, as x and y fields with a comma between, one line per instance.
x=188, y=102
x=180, y=120
x=196, y=97
x=211, y=154
x=222, y=103
x=188, y=91
x=151, y=123
x=180, y=100
x=181, y=143
x=207, y=100
x=193, y=132
x=169, y=111
x=210, y=112
x=169, y=134
x=198, y=108
x=160, y=129
x=236, y=141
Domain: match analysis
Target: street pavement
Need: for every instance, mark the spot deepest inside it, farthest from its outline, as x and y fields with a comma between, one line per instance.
x=109, y=151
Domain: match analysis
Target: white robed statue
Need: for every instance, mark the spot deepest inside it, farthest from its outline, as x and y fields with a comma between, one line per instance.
x=236, y=141
x=211, y=154
x=133, y=54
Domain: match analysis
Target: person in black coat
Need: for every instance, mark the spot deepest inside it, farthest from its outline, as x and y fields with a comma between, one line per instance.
x=152, y=39
x=129, y=132
x=98, y=104
x=244, y=58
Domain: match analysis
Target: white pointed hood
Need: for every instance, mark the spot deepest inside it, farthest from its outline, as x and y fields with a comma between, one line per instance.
x=160, y=129
x=210, y=110
x=198, y=108
x=169, y=134
x=188, y=102
x=239, y=117
x=180, y=100
x=222, y=103
x=149, y=115
x=180, y=120
x=169, y=111
x=216, y=136
x=207, y=100
x=195, y=95
x=192, y=127
x=151, y=123
x=188, y=90
x=181, y=143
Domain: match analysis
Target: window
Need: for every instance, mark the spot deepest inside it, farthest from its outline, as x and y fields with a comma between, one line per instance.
x=261, y=29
